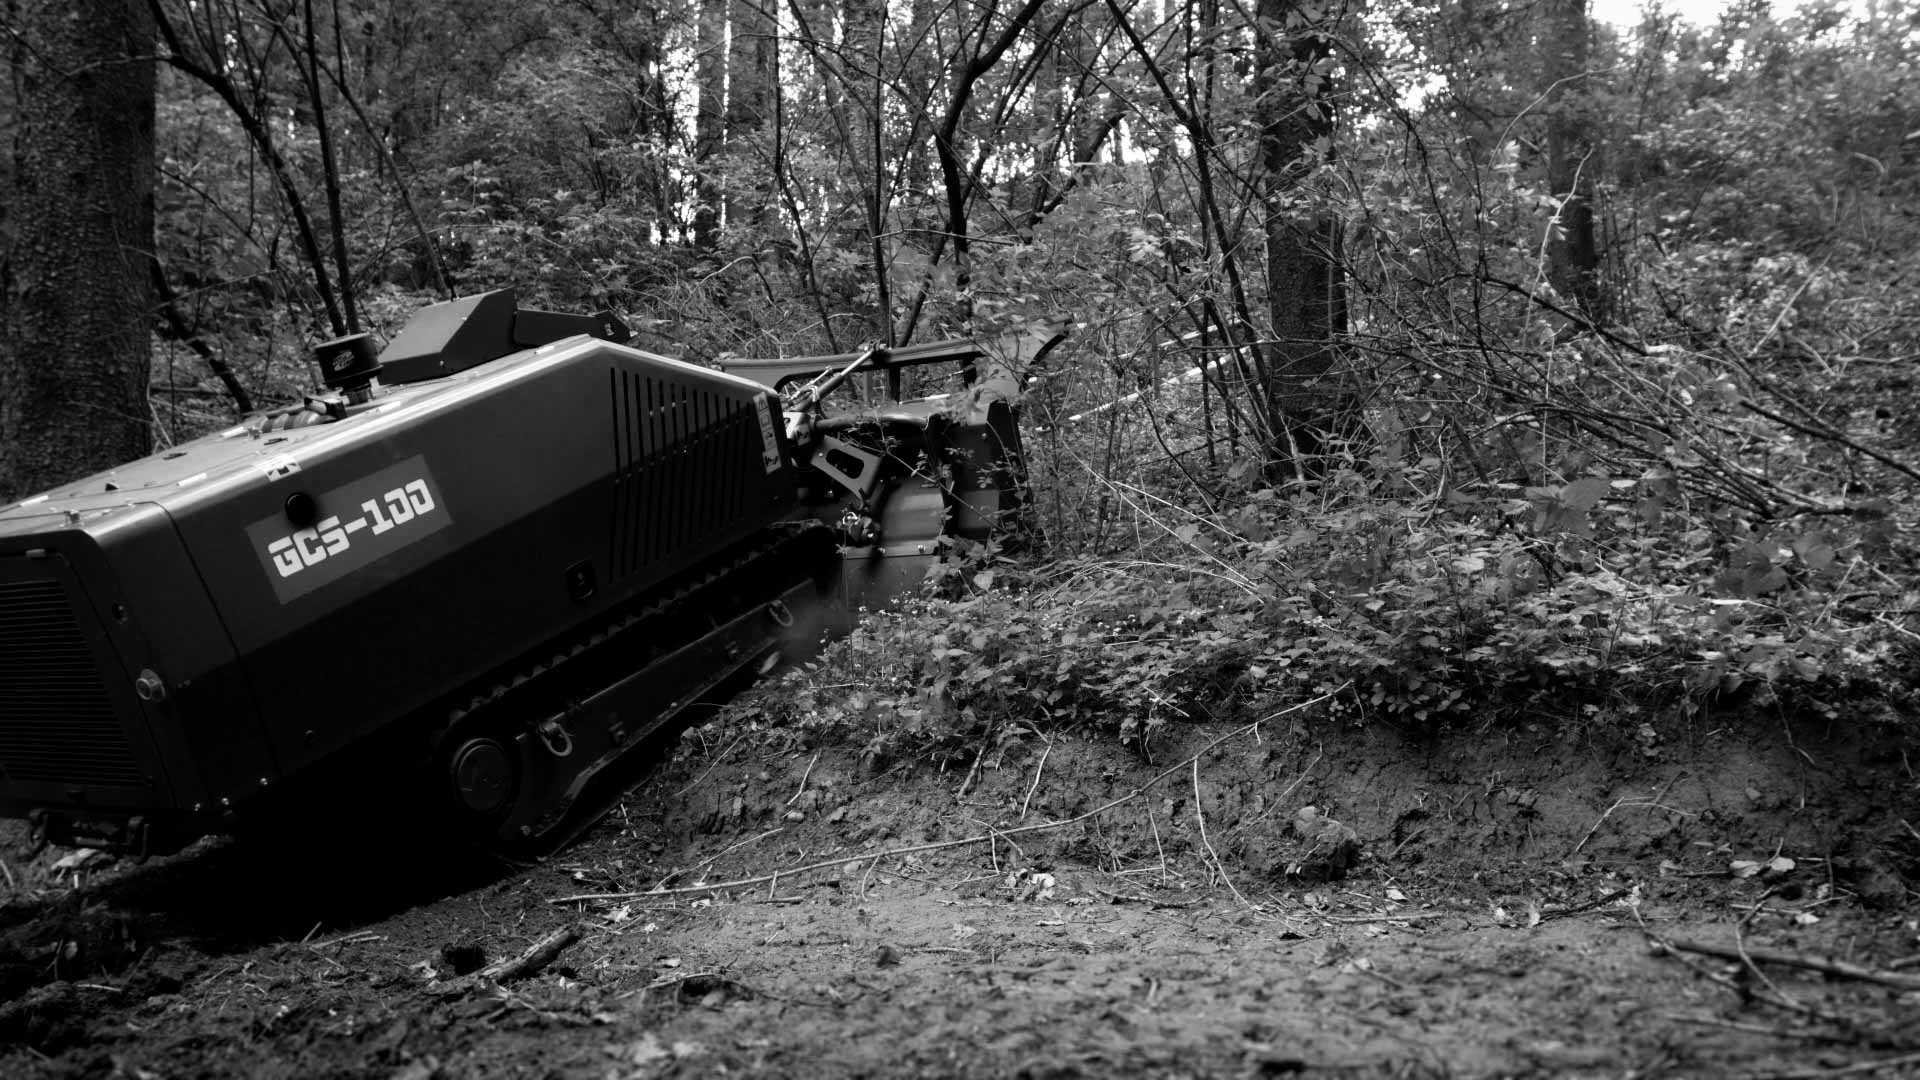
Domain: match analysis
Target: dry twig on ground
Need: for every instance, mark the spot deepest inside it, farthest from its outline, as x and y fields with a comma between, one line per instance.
x=1837, y=968
x=1626, y=801
x=1576, y=909
x=1855, y=1069
x=1037, y=770
x=532, y=960
x=802, y=789
x=1200, y=818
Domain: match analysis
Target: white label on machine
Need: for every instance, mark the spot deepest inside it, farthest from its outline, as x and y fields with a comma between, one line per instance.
x=769, y=434
x=389, y=509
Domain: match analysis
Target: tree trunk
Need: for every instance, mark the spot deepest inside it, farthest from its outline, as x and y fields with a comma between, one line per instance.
x=653, y=122
x=1052, y=119
x=76, y=291
x=863, y=49
x=709, y=132
x=1573, y=256
x=753, y=76
x=329, y=168
x=950, y=137
x=1306, y=291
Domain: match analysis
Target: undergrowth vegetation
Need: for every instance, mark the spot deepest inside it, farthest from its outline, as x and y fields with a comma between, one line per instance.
x=1457, y=611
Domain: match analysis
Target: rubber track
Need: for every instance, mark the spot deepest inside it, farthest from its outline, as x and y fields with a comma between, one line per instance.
x=545, y=681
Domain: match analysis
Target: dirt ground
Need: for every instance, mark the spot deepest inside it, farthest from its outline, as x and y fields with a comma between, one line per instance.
x=1526, y=903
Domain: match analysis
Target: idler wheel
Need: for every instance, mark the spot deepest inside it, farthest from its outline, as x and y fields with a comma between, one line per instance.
x=483, y=775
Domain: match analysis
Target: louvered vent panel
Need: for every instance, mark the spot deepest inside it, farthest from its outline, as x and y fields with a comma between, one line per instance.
x=686, y=464
x=56, y=722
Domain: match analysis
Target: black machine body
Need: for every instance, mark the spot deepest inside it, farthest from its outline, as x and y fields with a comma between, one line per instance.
x=506, y=548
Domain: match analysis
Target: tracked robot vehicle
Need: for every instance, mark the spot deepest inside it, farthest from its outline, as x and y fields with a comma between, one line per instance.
x=483, y=565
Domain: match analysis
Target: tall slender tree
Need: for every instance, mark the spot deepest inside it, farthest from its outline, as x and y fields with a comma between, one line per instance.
x=1305, y=287
x=710, y=122
x=1573, y=254
x=753, y=78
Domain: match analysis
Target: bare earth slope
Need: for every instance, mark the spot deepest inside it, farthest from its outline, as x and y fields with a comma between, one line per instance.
x=1508, y=910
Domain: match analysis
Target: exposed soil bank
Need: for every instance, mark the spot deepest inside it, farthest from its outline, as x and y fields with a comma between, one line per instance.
x=1475, y=906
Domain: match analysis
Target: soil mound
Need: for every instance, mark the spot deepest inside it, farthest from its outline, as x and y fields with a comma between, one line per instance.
x=1275, y=899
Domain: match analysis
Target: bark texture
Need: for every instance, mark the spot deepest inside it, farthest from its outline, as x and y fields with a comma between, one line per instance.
x=1305, y=286
x=1573, y=254
x=710, y=121
x=76, y=291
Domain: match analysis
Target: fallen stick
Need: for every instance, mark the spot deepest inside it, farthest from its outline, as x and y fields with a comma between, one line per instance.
x=1746, y=958
x=731, y=848
x=914, y=849
x=1626, y=801
x=346, y=939
x=1662, y=948
x=1140, y=898
x=1854, y=1069
x=803, y=779
x=1405, y=916
x=1024, y=803
x=1148, y=810
x=986, y=739
x=533, y=960
x=1588, y=906
x=1756, y=1029
x=1200, y=818
x=1837, y=968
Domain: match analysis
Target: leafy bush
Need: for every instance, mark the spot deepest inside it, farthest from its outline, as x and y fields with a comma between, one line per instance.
x=1463, y=610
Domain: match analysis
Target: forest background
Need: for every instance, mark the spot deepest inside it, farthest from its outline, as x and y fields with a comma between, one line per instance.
x=1463, y=358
